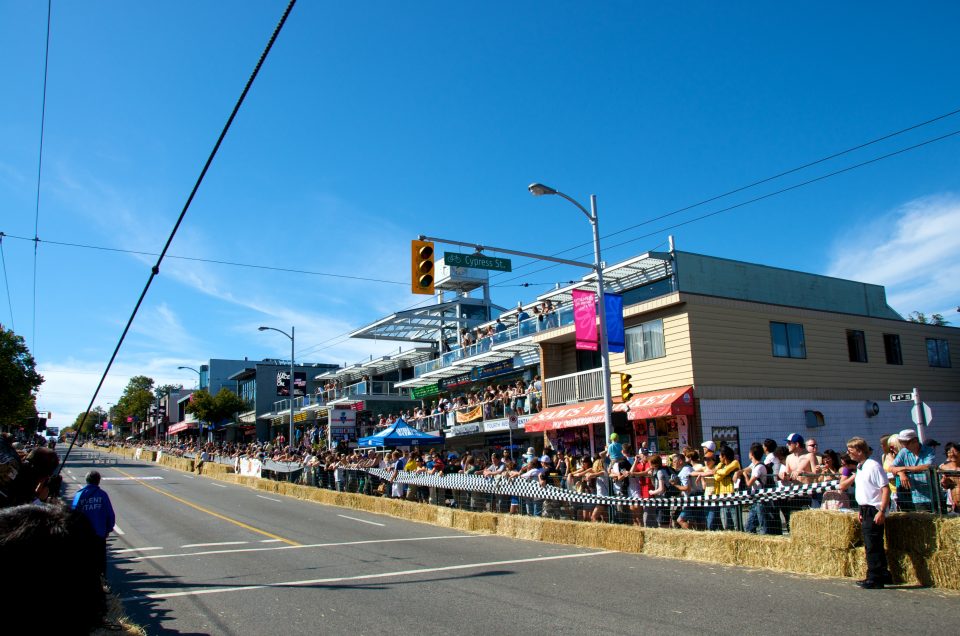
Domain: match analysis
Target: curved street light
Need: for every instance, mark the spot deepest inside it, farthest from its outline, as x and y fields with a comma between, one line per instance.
x=538, y=189
x=290, y=335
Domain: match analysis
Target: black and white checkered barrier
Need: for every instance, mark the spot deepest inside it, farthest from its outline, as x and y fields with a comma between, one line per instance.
x=528, y=489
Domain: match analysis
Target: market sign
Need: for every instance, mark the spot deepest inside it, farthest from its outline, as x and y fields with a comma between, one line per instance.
x=495, y=368
x=299, y=383
x=425, y=391
x=477, y=261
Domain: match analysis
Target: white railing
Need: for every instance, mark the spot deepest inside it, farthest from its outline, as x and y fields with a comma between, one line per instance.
x=574, y=387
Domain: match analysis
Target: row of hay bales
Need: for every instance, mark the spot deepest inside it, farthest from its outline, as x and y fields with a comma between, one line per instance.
x=922, y=548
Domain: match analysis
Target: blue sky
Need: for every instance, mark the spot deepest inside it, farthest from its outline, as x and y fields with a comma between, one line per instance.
x=374, y=122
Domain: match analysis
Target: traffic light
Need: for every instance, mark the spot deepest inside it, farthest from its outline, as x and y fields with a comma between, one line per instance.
x=421, y=267
x=626, y=389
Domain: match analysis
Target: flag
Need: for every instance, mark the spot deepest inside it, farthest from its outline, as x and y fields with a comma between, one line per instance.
x=614, y=307
x=585, y=319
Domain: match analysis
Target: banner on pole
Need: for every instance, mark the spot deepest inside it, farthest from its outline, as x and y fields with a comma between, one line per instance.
x=614, y=307
x=585, y=319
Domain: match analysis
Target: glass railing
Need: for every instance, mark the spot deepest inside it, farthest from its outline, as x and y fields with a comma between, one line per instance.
x=536, y=324
x=361, y=389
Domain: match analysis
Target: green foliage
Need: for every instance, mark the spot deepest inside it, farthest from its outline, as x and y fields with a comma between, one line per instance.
x=935, y=319
x=94, y=421
x=19, y=380
x=214, y=409
x=167, y=389
x=135, y=401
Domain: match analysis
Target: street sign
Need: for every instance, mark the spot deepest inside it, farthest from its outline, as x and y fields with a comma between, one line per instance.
x=927, y=412
x=477, y=261
x=901, y=397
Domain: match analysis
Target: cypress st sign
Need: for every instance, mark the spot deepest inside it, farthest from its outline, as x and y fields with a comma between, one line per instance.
x=477, y=261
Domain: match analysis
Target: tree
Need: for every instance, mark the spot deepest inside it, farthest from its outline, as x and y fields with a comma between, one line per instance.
x=135, y=401
x=935, y=319
x=94, y=420
x=214, y=409
x=19, y=381
x=167, y=389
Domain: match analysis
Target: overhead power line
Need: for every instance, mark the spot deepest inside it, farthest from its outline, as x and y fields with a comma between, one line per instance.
x=211, y=260
x=36, y=213
x=6, y=281
x=155, y=270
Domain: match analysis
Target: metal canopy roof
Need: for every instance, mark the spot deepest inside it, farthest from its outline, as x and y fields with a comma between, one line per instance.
x=418, y=325
x=381, y=365
x=631, y=273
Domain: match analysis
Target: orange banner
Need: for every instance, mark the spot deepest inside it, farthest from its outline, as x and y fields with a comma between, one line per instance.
x=470, y=415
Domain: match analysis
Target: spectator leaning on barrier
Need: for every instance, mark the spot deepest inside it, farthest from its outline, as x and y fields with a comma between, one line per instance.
x=911, y=467
x=951, y=483
x=873, y=496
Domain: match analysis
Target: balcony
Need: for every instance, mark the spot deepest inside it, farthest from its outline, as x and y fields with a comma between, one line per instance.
x=528, y=327
x=364, y=389
x=574, y=387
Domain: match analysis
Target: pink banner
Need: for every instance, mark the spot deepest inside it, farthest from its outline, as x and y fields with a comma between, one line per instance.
x=585, y=319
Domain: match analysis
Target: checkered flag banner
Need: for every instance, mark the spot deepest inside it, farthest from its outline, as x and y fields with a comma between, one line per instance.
x=530, y=489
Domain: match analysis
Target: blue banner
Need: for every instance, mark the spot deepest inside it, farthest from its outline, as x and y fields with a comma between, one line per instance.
x=614, y=307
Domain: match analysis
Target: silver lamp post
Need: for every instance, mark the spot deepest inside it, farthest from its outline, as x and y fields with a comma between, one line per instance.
x=538, y=189
x=291, y=336
x=199, y=386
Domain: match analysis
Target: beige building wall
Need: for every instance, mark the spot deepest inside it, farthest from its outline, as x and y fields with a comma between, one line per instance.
x=732, y=347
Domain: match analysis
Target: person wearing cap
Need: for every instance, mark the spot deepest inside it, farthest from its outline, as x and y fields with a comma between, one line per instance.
x=873, y=497
x=549, y=476
x=709, y=448
x=911, y=467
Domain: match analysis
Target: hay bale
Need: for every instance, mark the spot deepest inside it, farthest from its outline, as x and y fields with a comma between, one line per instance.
x=672, y=544
x=562, y=532
x=909, y=568
x=948, y=535
x=519, y=527
x=622, y=537
x=760, y=551
x=445, y=517
x=826, y=528
x=914, y=532
x=814, y=559
x=857, y=563
x=944, y=568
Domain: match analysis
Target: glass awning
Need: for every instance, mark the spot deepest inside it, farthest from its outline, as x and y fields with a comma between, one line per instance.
x=422, y=323
x=629, y=274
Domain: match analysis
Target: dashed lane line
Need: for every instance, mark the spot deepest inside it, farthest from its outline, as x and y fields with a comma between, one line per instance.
x=207, y=545
x=270, y=499
x=365, y=577
x=372, y=523
x=154, y=557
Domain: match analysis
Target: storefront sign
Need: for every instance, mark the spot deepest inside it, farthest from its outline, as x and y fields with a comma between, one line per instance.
x=585, y=319
x=424, y=391
x=455, y=381
x=344, y=418
x=299, y=383
x=504, y=424
x=477, y=261
x=496, y=368
x=465, y=429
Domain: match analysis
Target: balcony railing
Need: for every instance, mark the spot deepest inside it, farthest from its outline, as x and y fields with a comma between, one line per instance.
x=363, y=389
x=573, y=388
x=528, y=327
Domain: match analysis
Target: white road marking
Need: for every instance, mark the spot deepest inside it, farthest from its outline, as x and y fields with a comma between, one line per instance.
x=218, y=485
x=363, y=577
x=372, y=523
x=136, y=550
x=829, y=594
x=270, y=498
x=117, y=529
x=313, y=545
x=204, y=545
x=189, y=476
x=131, y=478
x=271, y=541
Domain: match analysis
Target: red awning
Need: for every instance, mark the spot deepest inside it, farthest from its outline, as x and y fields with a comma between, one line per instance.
x=643, y=406
x=173, y=429
x=659, y=404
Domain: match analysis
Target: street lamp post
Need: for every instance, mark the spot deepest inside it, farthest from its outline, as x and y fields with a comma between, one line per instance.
x=538, y=189
x=199, y=386
x=290, y=335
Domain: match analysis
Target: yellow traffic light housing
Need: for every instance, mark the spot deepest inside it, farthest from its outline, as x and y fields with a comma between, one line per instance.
x=421, y=267
x=626, y=389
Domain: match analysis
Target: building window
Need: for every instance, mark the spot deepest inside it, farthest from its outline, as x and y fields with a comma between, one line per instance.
x=891, y=344
x=938, y=352
x=644, y=342
x=856, y=345
x=787, y=339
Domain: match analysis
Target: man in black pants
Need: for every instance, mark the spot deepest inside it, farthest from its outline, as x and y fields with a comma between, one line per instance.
x=873, y=497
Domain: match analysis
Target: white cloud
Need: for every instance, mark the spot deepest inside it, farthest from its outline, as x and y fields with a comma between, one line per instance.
x=912, y=251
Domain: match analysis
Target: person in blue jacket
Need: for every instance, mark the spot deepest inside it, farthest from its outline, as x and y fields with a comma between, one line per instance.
x=95, y=505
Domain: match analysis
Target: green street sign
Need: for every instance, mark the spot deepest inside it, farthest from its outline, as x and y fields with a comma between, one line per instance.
x=477, y=261
x=424, y=391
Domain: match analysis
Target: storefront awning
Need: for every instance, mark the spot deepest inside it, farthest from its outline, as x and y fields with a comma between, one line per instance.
x=173, y=429
x=643, y=406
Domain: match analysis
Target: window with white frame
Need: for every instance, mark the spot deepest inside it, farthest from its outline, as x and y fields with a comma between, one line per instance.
x=644, y=342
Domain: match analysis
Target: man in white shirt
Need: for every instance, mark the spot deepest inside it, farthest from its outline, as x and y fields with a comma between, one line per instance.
x=873, y=497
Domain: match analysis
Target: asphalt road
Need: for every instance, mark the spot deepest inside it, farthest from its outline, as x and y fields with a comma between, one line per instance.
x=196, y=556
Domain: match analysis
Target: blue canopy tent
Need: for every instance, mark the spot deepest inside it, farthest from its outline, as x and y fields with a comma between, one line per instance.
x=399, y=434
